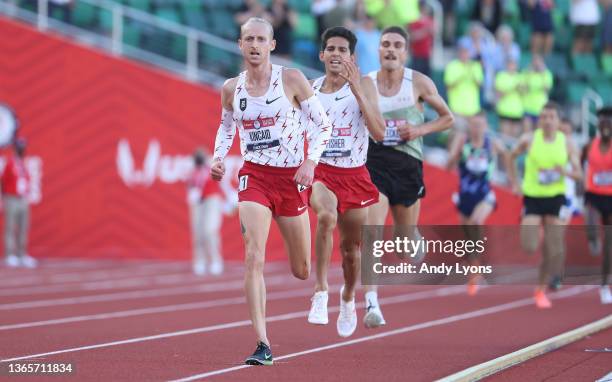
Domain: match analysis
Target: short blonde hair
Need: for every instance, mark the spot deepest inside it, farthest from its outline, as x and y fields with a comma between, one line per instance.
x=258, y=20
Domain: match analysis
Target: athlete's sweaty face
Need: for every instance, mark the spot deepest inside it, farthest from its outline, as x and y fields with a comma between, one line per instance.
x=336, y=51
x=605, y=126
x=392, y=51
x=549, y=120
x=477, y=126
x=256, y=42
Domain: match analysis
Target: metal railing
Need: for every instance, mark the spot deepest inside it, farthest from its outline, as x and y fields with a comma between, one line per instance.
x=180, y=49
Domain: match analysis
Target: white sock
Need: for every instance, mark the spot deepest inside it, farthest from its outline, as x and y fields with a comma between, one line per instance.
x=371, y=298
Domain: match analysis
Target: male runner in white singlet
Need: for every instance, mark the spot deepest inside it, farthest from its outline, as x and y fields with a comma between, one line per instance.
x=267, y=102
x=342, y=188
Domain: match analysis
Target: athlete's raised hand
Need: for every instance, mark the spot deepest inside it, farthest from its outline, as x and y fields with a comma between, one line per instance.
x=352, y=75
x=217, y=170
x=305, y=174
x=409, y=132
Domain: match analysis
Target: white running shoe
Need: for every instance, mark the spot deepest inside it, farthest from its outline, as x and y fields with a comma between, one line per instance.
x=605, y=295
x=199, y=268
x=216, y=268
x=373, y=317
x=12, y=261
x=347, y=319
x=318, y=309
x=28, y=261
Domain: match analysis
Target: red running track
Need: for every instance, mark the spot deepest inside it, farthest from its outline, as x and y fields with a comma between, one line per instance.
x=171, y=325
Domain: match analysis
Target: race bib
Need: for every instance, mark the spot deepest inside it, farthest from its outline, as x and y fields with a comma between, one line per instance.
x=243, y=183
x=603, y=178
x=549, y=176
x=260, y=134
x=392, y=137
x=339, y=145
x=477, y=163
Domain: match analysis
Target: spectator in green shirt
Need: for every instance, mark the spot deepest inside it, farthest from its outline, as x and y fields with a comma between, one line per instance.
x=538, y=81
x=509, y=107
x=463, y=78
x=392, y=12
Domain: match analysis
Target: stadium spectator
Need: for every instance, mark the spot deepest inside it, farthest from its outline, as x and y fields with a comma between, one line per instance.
x=505, y=48
x=450, y=22
x=15, y=188
x=421, y=40
x=509, y=106
x=393, y=12
x=319, y=8
x=482, y=48
x=206, y=211
x=366, y=50
x=541, y=26
x=538, y=82
x=463, y=77
x=584, y=16
x=251, y=8
x=283, y=19
x=339, y=14
x=489, y=13
x=606, y=30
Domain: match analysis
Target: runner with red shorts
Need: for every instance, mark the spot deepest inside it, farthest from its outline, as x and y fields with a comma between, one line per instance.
x=342, y=188
x=269, y=104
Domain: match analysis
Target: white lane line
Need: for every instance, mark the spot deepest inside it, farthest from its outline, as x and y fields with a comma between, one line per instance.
x=271, y=296
x=53, y=277
x=199, y=285
x=288, y=316
x=127, y=280
x=424, y=325
x=44, y=276
x=130, y=295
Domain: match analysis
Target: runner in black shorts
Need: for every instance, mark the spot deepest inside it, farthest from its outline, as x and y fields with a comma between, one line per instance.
x=396, y=163
x=598, y=195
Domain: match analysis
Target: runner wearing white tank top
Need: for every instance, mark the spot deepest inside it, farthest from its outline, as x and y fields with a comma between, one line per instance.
x=342, y=189
x=395, y=164
x=267, y=103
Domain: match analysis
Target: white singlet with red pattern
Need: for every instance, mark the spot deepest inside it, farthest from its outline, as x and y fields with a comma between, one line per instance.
x=348, y=145
x=270, y=127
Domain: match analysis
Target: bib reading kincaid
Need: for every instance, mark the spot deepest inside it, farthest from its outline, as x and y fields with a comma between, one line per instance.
x=271, y=130
x=398, y=110
x=348, y=145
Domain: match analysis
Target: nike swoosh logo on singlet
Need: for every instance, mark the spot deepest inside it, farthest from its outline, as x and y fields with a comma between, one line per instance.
x=269, y=102
x=338, y=99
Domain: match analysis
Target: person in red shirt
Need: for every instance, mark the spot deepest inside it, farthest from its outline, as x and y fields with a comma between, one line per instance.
x=598, y=189
x=15, y=183
x=421, y=40
x=205, y=200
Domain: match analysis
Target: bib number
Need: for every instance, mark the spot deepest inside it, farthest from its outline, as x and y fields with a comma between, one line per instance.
x=392, y=137
x=603, y=178
x=477, y=164
x=546, y=177
x=339, y=145
x=242, y=182
x=260, y=134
